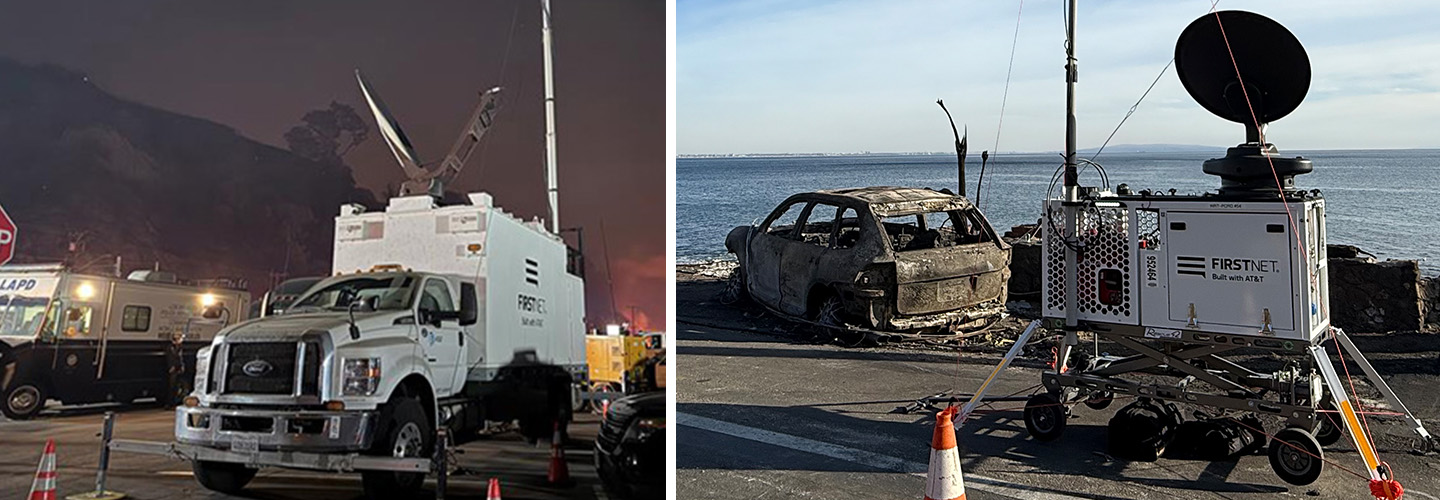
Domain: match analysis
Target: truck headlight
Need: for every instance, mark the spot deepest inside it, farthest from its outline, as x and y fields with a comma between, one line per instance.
x=361, y=377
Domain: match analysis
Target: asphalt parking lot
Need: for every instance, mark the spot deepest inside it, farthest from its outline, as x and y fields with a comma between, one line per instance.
x=763, y=413
x=520, y=467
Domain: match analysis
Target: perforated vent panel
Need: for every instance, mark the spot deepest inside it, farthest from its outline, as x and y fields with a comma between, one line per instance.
x=1104, y=242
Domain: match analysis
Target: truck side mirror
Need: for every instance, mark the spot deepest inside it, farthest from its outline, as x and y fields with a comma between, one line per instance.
x=469, y=310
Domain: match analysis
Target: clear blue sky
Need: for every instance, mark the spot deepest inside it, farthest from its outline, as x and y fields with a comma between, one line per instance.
x=760, y=76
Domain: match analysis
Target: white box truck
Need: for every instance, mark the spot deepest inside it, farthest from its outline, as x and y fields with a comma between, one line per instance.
x=459, y=316
x=456, y=317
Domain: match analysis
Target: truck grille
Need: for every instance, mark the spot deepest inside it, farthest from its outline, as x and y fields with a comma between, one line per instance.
x=273, y=366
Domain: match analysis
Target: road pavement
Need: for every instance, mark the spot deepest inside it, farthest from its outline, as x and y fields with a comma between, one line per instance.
x=763, y=413
x=521, y=467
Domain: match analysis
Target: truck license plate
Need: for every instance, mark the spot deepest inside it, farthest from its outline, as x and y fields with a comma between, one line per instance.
x=245, y=444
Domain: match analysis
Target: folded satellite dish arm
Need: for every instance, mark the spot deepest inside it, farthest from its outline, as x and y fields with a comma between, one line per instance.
x=480, y=122
x=431, y=181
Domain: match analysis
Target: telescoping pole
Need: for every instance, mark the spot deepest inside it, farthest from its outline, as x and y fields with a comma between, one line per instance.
x=1070, y=205
x=1072, y=183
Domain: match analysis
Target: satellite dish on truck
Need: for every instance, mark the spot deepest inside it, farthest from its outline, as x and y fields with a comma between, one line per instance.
x=431, y=181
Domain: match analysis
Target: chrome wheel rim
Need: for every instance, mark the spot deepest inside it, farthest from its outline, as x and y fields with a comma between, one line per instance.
x=24, y=399
x=408, y=441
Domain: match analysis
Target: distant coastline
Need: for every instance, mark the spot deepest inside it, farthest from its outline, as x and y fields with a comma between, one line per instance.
x=1117, y=148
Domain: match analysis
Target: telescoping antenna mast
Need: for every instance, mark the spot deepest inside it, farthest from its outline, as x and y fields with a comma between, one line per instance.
x=1072, y=184
x=552, y=186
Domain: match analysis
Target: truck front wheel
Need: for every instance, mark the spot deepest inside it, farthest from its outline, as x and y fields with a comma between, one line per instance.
x=405, y=433
x=223, y=477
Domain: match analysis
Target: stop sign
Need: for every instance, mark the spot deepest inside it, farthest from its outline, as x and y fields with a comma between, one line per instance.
x=7, y=237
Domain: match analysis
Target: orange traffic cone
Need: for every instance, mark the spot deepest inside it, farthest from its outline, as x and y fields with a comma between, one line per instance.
x=944, y=481
x=494, y=493
x=604, y=409
x=559, y=471
x=44, y=486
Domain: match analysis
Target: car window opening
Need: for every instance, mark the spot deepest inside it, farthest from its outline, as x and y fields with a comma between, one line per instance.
x=924, y=231
x=784, y=225
x=819, y=225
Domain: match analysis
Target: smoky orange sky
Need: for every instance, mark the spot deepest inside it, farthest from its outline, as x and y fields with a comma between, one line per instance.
x=258, y=66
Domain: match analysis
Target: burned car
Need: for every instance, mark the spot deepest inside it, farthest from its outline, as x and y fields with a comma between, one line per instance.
x=887, y=259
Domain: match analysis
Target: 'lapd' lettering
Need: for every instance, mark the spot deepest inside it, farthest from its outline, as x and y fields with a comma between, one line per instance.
x=16, y=284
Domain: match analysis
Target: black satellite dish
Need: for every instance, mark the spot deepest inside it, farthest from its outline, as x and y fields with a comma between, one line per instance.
x=1275, y=73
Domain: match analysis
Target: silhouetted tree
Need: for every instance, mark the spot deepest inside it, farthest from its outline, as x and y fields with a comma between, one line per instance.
x=320, y=135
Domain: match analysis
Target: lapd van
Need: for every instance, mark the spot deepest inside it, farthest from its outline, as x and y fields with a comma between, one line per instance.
x=81, y=338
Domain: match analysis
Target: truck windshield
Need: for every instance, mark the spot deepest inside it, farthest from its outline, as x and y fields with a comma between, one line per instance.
x=22, y=314
x=389, y=292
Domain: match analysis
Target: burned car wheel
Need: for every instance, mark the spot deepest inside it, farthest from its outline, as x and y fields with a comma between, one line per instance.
x=734, y=287
x=830, y=325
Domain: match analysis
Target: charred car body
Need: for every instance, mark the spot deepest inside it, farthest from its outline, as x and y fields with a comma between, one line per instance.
x=893, y=259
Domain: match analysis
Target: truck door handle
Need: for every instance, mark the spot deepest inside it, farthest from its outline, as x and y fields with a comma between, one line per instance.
x=432, y=360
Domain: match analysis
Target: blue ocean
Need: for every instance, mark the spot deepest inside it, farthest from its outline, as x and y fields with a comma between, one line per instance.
x=1384, y=201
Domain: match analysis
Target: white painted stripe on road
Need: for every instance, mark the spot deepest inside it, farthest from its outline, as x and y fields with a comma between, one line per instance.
x=862, y=457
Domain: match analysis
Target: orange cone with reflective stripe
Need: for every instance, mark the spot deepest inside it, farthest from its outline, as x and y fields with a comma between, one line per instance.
x=44, y=486
x=559, y=471
x=494, y=493
x=944, y=481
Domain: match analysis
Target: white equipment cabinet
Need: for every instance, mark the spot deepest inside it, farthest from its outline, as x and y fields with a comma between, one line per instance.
x=527, y=299
x=1175, y=264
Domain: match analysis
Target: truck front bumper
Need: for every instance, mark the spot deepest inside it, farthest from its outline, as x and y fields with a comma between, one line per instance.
x=312, y=431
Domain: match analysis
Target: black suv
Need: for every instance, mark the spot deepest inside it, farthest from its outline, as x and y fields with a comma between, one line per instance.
x=630, y=449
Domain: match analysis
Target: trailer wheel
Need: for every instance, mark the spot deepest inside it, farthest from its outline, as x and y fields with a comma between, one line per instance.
x=1045, y=417
x=224, y=477
x=23, y=400
x=577, y=399
x=405, y=433
x=1296, y=456
x=598, y=406
x=1326, y=431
